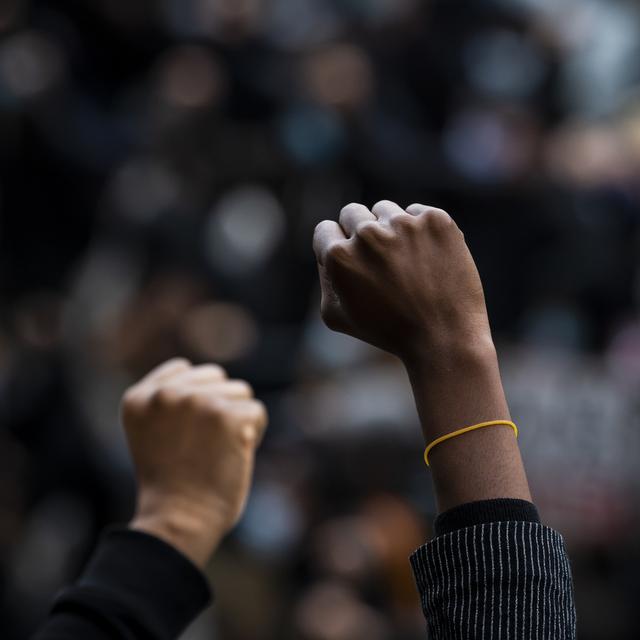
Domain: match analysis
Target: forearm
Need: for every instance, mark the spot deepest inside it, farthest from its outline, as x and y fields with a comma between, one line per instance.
x=405, y=281
x=455, y=386
x=492, y=567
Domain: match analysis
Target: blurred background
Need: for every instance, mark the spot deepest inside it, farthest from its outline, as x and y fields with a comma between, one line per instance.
x=162, y=166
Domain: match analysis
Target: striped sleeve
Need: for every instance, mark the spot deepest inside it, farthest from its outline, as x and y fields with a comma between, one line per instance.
x=495, y=581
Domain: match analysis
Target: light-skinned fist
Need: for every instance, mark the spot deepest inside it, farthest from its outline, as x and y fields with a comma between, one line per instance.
x=193, y=435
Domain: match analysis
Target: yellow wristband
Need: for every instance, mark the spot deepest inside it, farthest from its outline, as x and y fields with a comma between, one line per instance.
x=494, y=423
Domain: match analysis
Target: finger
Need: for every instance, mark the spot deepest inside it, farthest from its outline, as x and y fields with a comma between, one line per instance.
x=232, y=389
x=420, y=209
x=327, y=234
x=417, y=209
x=353, y=216
x=330, y=307
x=251, y=416
x=166, y=371
x=252, y=411
x=385, y=211
x=236, y=389
x=202, y=374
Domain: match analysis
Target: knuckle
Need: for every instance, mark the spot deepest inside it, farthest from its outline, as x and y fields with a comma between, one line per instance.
x=262, y=415
x=243, y=388
x=404, y=222
x=369, y=231
x=383, y=204
x=164, y=397
x=350, y=207
x=215, y=408
x=182, y=362
x=347, y=210
x=373, y=234
x=255, y=414
x=321, y=226
x=192, y=402
x=131, y=398
x=214, y=370
x=133, y=402
x=337, y=254
x=351, y=212
x=438, y=220
x=250, y=436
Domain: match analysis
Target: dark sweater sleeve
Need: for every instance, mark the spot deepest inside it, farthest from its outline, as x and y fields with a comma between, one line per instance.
x=493, y=571
x=135, y=587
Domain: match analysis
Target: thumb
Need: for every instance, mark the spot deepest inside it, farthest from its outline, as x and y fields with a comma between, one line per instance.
x=331, y=309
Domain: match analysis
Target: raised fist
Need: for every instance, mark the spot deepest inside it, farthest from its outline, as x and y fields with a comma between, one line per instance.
x=193, y=435
x=400, y=280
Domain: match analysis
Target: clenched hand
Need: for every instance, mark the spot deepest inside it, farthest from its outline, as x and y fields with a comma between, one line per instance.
x=405, y=281
x=400, y=280
x=193, y=435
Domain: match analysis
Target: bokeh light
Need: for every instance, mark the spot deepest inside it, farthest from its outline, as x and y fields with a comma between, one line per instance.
x=190, y=78
x=30, y=64
x=244, y=229
x=219, y=332
x=162, y=168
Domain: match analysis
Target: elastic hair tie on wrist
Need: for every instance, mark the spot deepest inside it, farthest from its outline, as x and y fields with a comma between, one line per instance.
x=482, y=425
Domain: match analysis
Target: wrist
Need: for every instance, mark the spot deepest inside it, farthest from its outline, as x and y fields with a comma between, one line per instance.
x=455, y=354
x=457, y=384
x=194, y=535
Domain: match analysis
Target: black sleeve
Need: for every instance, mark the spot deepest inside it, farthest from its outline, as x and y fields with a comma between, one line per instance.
x=485, y=512
x=135, y=587
x=494, y=571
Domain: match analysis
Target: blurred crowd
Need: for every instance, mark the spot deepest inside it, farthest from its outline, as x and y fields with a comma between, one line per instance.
x=162, y=166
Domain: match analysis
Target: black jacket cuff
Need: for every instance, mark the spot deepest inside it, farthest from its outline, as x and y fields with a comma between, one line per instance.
x=137, y=582
x=485, y=512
